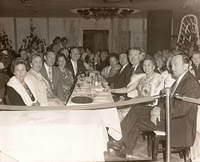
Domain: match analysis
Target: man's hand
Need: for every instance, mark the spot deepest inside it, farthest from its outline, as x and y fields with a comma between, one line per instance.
x=155, y=115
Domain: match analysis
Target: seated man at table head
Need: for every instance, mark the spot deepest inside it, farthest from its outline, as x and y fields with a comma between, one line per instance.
x=75, y=64
x=18, y=91
x=183, y=114
x=49, y=71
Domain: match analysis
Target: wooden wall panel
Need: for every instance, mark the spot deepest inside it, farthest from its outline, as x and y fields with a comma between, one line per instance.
x=132, y=30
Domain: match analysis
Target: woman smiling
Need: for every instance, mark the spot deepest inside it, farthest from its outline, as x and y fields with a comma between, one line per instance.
x=66, y=78
x=148, y=83
x=18, y=91
x=40, y=85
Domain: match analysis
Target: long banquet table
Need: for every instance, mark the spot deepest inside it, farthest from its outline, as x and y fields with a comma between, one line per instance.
x=109, y=117
x=56, y=136
x=59, y=135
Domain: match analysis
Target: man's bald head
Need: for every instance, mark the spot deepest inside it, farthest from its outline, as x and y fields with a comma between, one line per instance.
x=179, y=64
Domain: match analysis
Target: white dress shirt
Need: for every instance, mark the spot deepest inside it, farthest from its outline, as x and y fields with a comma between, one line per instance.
x=135, y=67
x=74, y=64
x=177, y=83
x=123, y=67
x=49, y=71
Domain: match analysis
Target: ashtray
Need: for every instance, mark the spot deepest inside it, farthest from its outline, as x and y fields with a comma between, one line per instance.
x=82, y=99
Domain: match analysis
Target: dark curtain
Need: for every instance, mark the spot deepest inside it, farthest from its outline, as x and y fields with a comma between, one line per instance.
x=95, y=39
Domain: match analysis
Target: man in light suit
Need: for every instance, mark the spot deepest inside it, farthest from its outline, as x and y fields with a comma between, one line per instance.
x=183, y=114
x=49, y=71
x=75, y=64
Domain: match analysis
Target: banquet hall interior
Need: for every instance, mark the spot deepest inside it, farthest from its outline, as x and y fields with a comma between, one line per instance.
x=63, y=96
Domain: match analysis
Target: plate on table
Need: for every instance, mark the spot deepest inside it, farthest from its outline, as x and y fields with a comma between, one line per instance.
x=82, y=99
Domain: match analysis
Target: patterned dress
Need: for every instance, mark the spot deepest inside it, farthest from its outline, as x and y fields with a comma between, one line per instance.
x=150, y=86
x=66, y=81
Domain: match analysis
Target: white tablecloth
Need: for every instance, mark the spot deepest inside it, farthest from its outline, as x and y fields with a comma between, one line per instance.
x=52, y=136
x=109, y=117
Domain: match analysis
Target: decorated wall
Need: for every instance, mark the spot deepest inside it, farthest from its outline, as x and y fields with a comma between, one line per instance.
x=123, y=33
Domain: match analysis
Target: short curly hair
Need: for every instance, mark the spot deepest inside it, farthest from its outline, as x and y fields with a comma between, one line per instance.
x=16, y=62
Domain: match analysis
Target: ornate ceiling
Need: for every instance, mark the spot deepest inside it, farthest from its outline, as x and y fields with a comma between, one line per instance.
x=61, y=8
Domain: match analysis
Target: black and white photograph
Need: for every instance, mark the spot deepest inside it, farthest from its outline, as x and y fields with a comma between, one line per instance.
x=99, y=81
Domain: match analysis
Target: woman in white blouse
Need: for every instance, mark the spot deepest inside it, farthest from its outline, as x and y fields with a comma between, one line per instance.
x=40, y=85
x=145, y=84
x=149, y=83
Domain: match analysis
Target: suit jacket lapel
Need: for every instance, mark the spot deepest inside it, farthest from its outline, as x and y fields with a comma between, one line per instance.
x=54, y=74
x=72, y=69
x=181, y=83
x=44, y=73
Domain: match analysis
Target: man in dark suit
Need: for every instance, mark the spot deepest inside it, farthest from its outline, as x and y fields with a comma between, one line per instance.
x=136, y=68
x=104, y=60
x=196, y=64
x=183, y=114
x=75, y=64
x=49, y=71
x=123, y=76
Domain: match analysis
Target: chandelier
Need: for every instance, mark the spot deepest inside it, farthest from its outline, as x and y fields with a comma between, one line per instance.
x=104, y=12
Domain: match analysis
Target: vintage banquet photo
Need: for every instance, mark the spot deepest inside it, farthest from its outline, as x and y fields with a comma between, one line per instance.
x=99, y=80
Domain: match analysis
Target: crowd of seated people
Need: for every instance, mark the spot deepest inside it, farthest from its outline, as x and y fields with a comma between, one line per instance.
x=32, y=78
x=124, y=72
x=172, y=69
x=50, y=75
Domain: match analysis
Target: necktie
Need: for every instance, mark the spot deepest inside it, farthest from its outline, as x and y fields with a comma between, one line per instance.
x=51, y=76
x=75, y=68
x=133, y=69
x=122, y=69
x=174, y=86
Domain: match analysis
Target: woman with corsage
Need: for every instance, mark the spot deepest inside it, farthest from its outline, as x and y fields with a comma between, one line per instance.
x=18, y=91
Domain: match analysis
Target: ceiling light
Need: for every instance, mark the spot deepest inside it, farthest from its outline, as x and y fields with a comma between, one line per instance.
x=104, y=12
